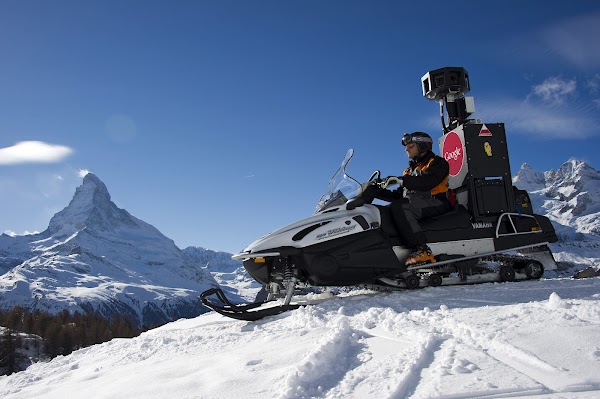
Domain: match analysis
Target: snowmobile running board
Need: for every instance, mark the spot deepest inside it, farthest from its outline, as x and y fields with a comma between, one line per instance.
x=241, y=312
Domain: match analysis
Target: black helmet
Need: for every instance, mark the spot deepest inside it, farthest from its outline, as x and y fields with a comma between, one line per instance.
x=423, y=141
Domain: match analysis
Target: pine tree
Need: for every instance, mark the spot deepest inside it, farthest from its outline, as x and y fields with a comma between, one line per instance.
x=10, y=355
x=62, y=333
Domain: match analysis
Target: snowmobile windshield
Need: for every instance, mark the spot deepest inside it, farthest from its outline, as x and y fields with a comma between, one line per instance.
x=341, y=187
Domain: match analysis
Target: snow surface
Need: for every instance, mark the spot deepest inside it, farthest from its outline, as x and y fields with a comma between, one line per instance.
x=496, y=340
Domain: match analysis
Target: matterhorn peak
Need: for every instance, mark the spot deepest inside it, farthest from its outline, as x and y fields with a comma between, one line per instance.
x=91, y=207
x=97, y=257
x=91, y=178
x=94, y=186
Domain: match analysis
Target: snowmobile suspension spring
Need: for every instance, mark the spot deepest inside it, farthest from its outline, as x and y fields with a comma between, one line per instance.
x=288, y=272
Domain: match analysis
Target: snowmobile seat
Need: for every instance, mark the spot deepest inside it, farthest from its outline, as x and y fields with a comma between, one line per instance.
x=457, y=218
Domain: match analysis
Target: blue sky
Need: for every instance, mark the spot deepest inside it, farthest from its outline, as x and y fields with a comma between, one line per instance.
x=219, y=121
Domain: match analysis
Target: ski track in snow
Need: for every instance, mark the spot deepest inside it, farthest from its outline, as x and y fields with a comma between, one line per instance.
x=526, y=339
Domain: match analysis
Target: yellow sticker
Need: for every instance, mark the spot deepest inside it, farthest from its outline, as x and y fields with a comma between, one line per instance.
x=488, y=149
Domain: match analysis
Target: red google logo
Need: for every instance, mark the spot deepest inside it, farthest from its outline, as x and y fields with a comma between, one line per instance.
x=453, y=152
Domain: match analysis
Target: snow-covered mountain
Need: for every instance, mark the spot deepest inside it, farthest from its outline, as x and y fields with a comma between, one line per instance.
x=229, y=273
x=570, y=197
x=95, y=256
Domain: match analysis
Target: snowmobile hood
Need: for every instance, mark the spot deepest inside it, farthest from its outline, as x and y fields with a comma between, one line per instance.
x=317, y=228
x=331, y=212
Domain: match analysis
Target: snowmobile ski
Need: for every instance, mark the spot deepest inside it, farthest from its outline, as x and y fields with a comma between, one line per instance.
x=247, y=312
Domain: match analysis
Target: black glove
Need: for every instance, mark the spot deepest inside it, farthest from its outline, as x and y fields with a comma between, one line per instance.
x=391, y=181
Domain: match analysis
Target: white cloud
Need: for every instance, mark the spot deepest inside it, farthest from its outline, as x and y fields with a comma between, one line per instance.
x=33, y=152
x=83, y=172
x=554, y=90
x=554, y=109
x=576, y=40
x=540, y=120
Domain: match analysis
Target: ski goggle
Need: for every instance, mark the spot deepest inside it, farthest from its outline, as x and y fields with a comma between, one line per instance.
x=409, y=138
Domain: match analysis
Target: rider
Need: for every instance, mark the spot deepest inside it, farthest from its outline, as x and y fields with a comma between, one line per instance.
x=425, y=183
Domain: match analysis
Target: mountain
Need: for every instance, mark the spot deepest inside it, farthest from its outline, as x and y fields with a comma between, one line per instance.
x=529, y=179
x=229, y=273
x=96, y=257
x=570, y=197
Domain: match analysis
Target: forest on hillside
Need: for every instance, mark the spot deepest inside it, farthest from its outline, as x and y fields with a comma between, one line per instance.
x=29, y=336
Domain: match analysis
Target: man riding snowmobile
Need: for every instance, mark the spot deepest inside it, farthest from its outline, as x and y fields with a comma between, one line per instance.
x=490, y=234
x=425, y=188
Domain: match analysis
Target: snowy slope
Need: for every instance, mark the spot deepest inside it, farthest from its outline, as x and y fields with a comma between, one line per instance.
x=533, y=338
x=570, y=197
x=95, y=256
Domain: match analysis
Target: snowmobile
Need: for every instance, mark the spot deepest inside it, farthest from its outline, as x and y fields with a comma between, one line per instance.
x=491, y=233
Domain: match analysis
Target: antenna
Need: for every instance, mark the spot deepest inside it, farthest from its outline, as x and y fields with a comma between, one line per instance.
x=448, y=86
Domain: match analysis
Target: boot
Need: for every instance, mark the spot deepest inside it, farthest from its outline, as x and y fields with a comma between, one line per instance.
x=421, y=255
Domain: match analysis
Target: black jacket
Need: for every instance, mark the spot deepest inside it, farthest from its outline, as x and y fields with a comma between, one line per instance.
x=424, y=182
x=427, y=179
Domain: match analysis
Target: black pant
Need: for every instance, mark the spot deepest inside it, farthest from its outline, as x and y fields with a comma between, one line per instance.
x=407, y=213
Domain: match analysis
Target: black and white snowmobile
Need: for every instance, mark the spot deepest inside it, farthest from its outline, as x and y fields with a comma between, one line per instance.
x=491, y=234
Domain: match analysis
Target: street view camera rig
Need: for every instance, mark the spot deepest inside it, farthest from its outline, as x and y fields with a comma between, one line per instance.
x=476, y=152
x=448, y=86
